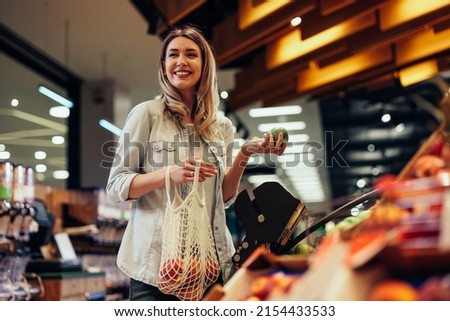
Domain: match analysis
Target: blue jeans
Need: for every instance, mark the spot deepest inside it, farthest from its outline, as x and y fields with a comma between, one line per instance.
x=140, y=291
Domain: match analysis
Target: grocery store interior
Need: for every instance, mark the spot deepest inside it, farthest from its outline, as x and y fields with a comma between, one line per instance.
x=361, y=87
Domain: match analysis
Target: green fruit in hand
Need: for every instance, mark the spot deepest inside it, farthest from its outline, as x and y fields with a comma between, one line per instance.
x=304, y=248
x=277, y=130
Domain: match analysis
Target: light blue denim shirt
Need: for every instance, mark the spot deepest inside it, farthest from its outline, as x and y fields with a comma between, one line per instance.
x=150, y=141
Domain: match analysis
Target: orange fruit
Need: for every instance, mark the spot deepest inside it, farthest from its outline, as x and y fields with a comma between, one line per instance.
x=394, y=290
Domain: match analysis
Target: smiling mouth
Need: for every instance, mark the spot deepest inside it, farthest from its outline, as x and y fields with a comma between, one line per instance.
x=182, y=73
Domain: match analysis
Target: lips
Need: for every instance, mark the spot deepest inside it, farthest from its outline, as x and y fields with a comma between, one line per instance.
x=182, y=73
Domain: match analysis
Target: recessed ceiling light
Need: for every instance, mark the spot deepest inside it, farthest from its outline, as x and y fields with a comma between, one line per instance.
x=60, y=174
x=386, y=118
x=41, y=168
x=40, y=155
x=5, y=155
x=14, y=102
x=400, y=127
x=58, y=140
x=59, y=111
x=298, y=138
x=296, y=21
x=361, y=183
x=275, y=111
x=293, y=125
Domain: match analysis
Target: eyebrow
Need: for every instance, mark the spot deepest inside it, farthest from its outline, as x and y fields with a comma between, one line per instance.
x=189, y=49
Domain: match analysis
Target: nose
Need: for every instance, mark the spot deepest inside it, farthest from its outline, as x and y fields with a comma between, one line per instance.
x=181, y=61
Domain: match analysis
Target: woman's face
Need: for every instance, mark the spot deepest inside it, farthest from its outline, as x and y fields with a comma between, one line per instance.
x=183, y=64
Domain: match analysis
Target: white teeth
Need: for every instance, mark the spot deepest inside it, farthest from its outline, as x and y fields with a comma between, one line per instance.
x=182, y=73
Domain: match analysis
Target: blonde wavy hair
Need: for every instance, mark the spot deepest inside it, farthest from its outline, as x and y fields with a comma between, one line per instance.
x=207, y=96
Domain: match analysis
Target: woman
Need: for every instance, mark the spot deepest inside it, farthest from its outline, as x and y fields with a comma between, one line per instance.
x=177, y=130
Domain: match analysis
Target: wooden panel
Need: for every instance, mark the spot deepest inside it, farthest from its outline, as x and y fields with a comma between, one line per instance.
x=373, y=37
x=441, y=26
x=329, y=6
x=314, y=22
x=250, y=12
x=422, y=45
x=230, y=43
x=313, y=78
x=400, y=12
x=292, y=45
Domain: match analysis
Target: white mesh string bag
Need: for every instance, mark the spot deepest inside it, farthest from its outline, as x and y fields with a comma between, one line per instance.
x=189, y=263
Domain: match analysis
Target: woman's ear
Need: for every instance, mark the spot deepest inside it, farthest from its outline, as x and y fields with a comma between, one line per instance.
x=163, y=66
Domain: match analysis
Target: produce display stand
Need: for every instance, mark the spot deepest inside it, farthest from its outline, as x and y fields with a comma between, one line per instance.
x=406, y=238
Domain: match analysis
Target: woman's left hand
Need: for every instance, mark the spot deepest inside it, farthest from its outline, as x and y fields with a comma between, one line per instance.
x=265, y=145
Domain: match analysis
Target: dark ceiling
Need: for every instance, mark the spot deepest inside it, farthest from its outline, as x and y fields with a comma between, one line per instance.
x=351, y=118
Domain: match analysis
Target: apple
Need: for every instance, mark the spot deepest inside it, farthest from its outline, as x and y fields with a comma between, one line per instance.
x=172, y=270
x=304, y=249
x=428, y=165
x=276, y=132
x=194, y=269
x=212, y=271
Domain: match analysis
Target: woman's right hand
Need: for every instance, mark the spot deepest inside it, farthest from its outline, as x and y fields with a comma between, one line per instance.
x=185, y=174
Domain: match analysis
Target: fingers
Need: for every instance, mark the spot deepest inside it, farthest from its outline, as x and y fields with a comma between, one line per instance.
x=206, y=169
x=273, y=146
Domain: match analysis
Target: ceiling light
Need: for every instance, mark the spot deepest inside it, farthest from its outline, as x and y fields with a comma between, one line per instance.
x=296, y=149
x=110, y=127
x=400, y=127
x=41, y=168
x=40, y=155
x=361, y=183
x=60, y=174
x=58, y=140
x=299, y=138
x=375, y=171
x=56, y=97
x=14, y=102
x=296, y=21
x=294, y=125
x=386, y=118
x=259, y=179
x=275, y=111
x=5, y=155
x=59, y=111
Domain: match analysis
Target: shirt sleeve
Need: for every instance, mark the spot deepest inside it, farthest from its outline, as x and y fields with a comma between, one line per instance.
x=130, y=153
x=229, y=145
